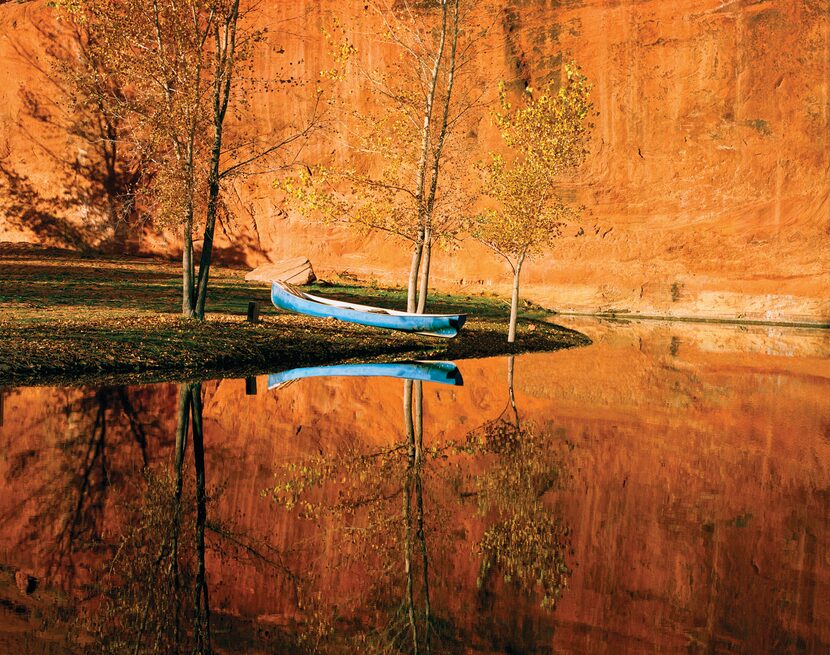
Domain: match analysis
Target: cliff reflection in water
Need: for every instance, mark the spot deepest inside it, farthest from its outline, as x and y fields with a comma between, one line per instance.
x=663, y=489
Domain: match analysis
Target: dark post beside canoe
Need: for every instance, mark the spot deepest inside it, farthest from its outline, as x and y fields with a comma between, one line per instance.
x=253, y=312
x=250, y=386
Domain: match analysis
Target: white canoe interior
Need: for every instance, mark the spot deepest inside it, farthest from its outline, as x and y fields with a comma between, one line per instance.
x=354, y=306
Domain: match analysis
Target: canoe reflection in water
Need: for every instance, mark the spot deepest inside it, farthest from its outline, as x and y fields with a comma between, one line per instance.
x=441, y=372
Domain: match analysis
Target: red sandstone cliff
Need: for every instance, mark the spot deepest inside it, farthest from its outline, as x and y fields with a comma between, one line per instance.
x=707, y=188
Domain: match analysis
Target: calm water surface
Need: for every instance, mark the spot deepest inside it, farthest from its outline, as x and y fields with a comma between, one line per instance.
x=666, y=489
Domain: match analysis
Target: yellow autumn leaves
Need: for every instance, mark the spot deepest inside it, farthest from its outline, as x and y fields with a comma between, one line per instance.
x=545, y=138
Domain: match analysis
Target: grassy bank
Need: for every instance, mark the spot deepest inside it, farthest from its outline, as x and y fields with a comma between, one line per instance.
x=69, y=319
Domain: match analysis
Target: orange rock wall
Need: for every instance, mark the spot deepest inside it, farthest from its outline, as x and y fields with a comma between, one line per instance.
x=707, y=187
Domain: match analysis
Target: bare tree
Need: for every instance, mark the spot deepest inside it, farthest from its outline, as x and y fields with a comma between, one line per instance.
x=182, y=64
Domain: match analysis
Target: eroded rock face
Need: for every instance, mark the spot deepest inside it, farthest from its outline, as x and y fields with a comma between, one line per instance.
x=706, y=191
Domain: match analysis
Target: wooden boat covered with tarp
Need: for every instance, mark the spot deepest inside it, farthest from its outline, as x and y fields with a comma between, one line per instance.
x=284, y=296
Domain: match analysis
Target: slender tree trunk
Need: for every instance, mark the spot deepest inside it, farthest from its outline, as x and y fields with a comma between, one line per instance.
x=420, y=176
x=207, y=253
x=187, y=268
x=187, y=238
x=436, y=155
x=188, y=290
x=225, y=51
x=412, y=286
x=425, y=261
x=189, y=264
x=514, y=301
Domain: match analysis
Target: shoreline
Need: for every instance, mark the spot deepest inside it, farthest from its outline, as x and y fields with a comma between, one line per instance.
x=177, y=350
x=67, y=319
x=625, y=316
x=71, y=319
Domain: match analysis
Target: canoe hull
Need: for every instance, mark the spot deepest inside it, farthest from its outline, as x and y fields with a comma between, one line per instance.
x=436, y=325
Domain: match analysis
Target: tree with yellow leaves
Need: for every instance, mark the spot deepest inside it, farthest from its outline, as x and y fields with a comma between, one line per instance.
x=546, y=137
x=402, y=160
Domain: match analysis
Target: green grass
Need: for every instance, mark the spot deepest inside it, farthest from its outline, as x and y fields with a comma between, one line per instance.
x=69, y=319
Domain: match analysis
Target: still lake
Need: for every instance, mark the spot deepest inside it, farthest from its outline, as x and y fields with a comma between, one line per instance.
x=665, y=489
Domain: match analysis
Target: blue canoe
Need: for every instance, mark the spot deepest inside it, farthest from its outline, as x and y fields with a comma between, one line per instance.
x=284, y=296
x=441, y=372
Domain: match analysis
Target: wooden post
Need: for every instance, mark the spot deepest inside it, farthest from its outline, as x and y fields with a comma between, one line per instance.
x=253, y=312
x=250, y=386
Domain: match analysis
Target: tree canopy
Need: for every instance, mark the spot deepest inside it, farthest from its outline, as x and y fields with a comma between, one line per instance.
x=546, y=137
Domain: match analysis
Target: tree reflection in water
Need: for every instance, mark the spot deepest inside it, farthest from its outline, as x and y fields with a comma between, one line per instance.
x=99, y=433
x=506, y=467
x=122, y=531
x=153, y=593
x=413, y=406
x=526, y=542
